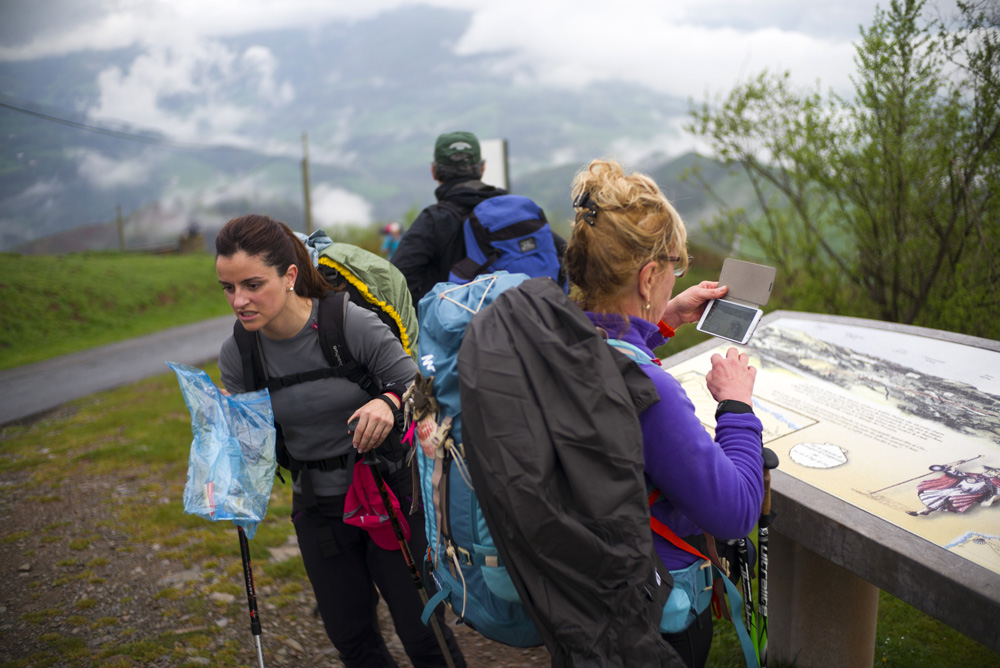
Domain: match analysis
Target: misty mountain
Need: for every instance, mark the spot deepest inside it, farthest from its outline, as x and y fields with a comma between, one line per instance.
x=371, y=94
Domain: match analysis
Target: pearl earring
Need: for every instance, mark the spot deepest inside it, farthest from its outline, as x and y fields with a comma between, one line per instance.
x=646, y=307
x=292, y=289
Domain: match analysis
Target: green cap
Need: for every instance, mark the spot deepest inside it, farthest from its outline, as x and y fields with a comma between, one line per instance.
x=457, y=148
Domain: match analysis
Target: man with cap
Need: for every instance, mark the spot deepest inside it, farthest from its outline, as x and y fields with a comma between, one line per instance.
x=435, y=241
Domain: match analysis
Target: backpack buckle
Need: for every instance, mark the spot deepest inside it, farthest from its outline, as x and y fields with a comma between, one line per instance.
x=464, y=556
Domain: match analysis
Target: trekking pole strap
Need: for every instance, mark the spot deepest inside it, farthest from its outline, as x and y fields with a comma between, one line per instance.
x=735, y=602
x=433, y=603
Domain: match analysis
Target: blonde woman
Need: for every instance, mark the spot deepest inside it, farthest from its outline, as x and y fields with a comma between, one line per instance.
x=628, y=248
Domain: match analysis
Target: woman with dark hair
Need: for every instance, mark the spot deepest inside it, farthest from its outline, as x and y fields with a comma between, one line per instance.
x=275, y=290
x=627, y=249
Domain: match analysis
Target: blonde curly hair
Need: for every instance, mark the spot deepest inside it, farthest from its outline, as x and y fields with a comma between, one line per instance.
x=623, y=221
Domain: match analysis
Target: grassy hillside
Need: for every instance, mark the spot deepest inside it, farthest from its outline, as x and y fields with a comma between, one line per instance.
x=54, y=305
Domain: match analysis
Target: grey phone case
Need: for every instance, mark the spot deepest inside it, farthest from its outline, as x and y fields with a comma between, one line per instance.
x=749, y=284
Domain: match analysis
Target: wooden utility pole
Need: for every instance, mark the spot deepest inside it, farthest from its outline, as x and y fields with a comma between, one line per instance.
x=305, y=182
x=121, y=228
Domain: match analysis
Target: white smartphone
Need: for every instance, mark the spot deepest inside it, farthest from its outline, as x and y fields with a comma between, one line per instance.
x=729, y=320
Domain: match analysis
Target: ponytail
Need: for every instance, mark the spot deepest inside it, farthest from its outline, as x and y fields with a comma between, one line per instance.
x=310, y=282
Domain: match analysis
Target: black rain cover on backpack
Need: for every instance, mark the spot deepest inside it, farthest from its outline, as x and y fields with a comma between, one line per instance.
x=554, y=447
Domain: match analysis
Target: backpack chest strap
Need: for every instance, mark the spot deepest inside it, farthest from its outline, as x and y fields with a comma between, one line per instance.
x=307, y=376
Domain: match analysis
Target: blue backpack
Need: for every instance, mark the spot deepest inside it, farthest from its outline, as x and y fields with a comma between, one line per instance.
x=508, y=233
x=461, y=558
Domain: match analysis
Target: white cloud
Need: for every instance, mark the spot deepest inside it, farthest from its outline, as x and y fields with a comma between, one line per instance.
x=333, y=207
x=663, y=46
x=261, y=61
x=186, y=90
x=115, y=25
x=42, y=196
x=673, y=141
x=258, y=189
x=41, y=190
x=106, y=173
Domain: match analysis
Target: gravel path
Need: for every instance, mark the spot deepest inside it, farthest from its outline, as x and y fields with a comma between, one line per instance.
x=77, y=590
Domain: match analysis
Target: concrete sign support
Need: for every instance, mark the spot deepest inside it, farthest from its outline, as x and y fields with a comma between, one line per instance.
x=807, y=581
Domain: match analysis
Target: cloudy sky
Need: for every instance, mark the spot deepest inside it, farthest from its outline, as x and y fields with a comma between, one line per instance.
x=569, y=42
x=692, y=49
x=688, y=48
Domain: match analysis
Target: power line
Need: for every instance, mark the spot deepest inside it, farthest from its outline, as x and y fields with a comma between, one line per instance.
x=119, y=134
x=150, y=140
x=170, y=143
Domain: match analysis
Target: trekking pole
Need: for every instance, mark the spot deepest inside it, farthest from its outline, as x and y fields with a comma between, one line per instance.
x=770, y=462
x=743, y=561
x=372, y=460
x=251, y=595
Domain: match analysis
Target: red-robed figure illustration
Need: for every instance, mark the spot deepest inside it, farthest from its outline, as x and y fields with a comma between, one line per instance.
x=956, y=491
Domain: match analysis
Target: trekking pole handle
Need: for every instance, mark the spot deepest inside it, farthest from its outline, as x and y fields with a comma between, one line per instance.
x=765, y=508
x=770, y=462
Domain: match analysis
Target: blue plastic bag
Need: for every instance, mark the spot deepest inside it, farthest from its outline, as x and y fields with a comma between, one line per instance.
x=232, y=463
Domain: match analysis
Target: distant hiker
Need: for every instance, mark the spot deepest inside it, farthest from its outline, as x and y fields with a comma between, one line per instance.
x=391, y=234
x=275, y=291
x=434, y=243
x=627, y=249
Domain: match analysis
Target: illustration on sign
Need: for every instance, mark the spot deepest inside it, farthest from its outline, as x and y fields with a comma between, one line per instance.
x=956, y=491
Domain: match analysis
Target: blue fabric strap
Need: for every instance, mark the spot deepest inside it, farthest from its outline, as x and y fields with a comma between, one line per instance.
x=629, y=350
x=425, y=617
x=735, y=605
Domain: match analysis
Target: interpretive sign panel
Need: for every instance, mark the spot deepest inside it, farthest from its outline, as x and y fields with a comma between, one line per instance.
x=903, y=425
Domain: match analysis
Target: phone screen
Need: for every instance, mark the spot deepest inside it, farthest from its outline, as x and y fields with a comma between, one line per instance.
x=729, y=320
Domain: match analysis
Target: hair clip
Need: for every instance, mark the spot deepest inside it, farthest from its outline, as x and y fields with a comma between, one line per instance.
x=583, y=201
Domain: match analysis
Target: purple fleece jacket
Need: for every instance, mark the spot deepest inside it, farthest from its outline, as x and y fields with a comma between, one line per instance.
x=714, y=486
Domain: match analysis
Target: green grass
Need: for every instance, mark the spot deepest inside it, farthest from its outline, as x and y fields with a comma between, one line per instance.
x=87, y=300
x=148, y=426
x=904, y=638
x=55, y=305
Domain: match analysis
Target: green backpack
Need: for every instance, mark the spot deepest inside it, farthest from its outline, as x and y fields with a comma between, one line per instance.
x=370, y=281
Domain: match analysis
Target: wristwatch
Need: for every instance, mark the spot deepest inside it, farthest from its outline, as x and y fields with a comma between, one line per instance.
x=732, y=406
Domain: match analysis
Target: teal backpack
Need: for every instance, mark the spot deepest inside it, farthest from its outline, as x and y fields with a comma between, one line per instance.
x=462, y=558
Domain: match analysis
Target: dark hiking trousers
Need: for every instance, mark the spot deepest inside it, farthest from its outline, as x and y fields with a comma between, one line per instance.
x=694, y=642
x=345, y=585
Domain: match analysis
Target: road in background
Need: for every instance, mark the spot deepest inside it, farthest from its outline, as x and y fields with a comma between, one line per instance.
x=36, y=388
